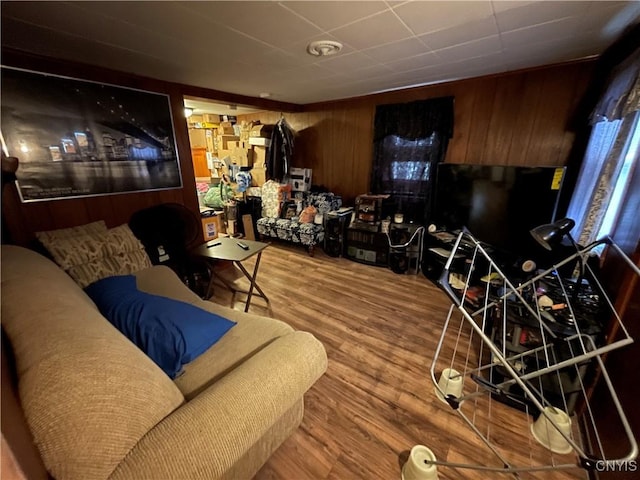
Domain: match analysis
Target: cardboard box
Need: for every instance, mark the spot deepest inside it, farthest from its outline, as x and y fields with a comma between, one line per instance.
x=245, y=130
x=258, y=176
x=208, y=117
x=222, y=154
x=223, y=141
x=210, y=227
x=240, y=156
x=197, y=138
x=258, y=156
x=300, y=179
x=260, y=141
x=225, y=128
x=209, y=140
x=261, y=131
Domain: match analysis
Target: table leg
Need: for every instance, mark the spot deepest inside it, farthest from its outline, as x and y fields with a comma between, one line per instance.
x=252, y=280
x=208, y=294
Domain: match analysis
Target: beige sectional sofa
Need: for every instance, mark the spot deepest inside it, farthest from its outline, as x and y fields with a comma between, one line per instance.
x=97, y=407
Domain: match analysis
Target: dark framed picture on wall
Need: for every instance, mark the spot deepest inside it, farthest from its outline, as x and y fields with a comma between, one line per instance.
x=77, y=138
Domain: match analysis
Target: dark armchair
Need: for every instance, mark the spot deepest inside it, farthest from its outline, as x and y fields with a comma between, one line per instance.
x=168, y=232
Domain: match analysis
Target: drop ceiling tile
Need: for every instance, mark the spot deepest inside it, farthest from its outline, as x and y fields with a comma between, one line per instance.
x=329, y=15
x=539, y=12
x=503, y=5
x=563, y=28
x=424, y=17
x=477, y=48
x=368, y=72
x=408, y=47
x=467, y=32
x=407, y=78
x=528, y=62
x=64, y=14
x=426, y=60
x=373, y=31
x=261, y=20
x=554, y=50
x=68, y=47
x=304, y=74
x=170, y=20
x=108, y=31
x=488, y=62
x=352, y=61
x=271, y=60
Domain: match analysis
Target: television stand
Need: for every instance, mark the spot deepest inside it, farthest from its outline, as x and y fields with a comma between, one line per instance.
x=437, y=249
x=438, y=246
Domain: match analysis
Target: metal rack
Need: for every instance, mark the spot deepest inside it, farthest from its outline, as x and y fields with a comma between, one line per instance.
x=536, y=383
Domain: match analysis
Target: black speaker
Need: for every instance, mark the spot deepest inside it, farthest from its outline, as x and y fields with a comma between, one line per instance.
x=399, y=235
x=333, y=247
x=398, y=260
x=405, y=257
x=334, y=235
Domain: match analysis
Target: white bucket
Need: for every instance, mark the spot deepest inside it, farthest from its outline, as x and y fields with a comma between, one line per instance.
x=418, y=466
x=546, y=433
x=450, y=383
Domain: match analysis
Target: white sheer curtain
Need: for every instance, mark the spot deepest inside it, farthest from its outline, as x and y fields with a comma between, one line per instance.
x=622, y=94
x=611, y=156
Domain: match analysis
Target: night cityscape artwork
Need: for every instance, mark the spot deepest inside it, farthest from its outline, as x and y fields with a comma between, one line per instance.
x=77, y=138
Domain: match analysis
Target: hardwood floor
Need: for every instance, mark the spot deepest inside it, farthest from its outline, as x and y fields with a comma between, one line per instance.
x=377, y=399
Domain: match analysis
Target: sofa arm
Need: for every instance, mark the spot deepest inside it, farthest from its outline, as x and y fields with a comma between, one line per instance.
x=206, y=436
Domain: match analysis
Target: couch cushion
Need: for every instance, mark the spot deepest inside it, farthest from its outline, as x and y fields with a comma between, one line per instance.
x=324, y=201
x=87, y=392
x=89, y=253
x=172, y=333
x=98, y=227
x=273, y=194
x=250, y=335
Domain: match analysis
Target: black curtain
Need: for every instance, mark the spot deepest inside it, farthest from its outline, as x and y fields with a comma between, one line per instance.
x=410, y=139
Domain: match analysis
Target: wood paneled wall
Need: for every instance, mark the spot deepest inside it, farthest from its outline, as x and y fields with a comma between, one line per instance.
x=511, y=119
x=518, y=119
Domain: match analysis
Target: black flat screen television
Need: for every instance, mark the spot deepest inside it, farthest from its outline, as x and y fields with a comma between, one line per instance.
x=497, y=204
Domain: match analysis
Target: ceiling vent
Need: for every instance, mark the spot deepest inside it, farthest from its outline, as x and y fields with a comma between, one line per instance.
x=324, y=48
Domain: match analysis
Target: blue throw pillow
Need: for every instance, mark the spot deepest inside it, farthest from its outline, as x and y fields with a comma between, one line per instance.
x=170, y=332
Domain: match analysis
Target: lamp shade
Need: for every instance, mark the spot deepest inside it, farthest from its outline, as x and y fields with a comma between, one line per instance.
x=549, y=234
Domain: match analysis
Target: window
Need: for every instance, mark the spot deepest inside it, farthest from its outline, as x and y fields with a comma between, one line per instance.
x=612, y=154
x=608, y=166
x=409, y=140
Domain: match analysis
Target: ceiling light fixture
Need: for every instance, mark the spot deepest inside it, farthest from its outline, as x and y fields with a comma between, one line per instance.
x=188, y=112
x=324, y=48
